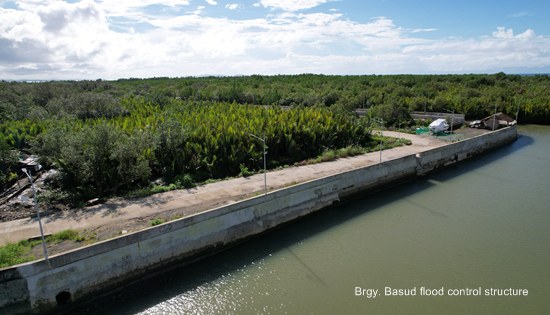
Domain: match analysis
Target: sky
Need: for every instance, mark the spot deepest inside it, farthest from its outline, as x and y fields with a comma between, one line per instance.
x=112, y=39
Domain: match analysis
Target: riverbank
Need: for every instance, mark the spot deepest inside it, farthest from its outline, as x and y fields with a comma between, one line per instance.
x=109, y=263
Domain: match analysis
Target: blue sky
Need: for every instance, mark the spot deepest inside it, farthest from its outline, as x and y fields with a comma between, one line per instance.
x=110, y=39
x=464, y=18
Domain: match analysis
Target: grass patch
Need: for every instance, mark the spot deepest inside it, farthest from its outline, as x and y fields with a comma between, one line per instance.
x=180, y=182
x=292, y=183
x=212, y=180
x=15, y=253
x=156, y=222
x=66, y=235
x=387, y=143
x=151, y=190
x=331, y=155
x=21, y=252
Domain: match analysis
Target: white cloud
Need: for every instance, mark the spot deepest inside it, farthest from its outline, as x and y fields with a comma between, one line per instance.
x=59, y=40
x=127, y=5
x=520, y=14
x=232, y=6
x=135, y=9
x=292, y=5
x=504, y=33
x=211, y=2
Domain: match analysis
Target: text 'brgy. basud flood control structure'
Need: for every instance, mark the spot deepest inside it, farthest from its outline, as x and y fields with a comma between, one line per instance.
x=73, y=276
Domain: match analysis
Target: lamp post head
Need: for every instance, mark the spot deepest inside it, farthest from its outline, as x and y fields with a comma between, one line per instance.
x=255, y=136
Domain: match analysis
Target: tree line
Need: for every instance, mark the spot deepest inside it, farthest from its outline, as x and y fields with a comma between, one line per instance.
x=181, y=142
x=109, y=136
x=473, y=95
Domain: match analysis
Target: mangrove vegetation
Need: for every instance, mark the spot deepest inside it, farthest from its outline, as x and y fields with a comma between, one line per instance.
x=114, y=137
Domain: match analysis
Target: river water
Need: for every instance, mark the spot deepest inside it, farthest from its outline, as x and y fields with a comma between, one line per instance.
x=478, y=226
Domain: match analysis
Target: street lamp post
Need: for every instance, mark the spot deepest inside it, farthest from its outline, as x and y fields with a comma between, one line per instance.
x=381, y=122
x=380, y=146
x=452, y=122
x=495, y=117
x=265, y=173
x=28, y=173
x=517, y=112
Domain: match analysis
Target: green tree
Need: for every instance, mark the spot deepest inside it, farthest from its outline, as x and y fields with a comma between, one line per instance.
x=8, y=161
x=99, y=159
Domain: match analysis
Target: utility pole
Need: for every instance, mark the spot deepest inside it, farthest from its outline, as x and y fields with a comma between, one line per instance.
x=452, y=121
x=495, y=117
x=381, y=146
x=28, y=173
x=265, y=173
x=381, y=126
x=517, y=113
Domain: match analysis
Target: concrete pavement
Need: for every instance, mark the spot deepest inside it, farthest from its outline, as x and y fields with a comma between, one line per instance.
x=186, y=202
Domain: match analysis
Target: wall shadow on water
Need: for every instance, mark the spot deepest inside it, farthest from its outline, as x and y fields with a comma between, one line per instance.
x=159, y=288
x=484, y=159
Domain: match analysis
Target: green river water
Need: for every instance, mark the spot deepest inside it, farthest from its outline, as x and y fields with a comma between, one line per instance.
x=478, y=226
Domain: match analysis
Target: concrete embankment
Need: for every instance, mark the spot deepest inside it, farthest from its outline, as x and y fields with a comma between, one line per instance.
x=75, y=275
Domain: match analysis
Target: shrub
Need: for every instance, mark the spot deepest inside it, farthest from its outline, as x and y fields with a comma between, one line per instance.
x=244, y=171
x=99, y=160
x=184, y=181
x=156, y=222
x=8, y=161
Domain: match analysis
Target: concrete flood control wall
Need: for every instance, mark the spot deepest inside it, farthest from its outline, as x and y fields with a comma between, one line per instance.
x=430, y=160
x=74, y=275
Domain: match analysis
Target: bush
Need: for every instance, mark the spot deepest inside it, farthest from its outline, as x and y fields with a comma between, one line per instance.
x=244, y=171
x=156, y=222
x=99, y=160
x=53, y=195
x=8, y=161
x=85, y=105
x=184, y=181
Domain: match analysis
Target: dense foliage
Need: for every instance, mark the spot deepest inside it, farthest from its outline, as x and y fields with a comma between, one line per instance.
x=105, y=155
x=473, y=95
x=110, y=136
